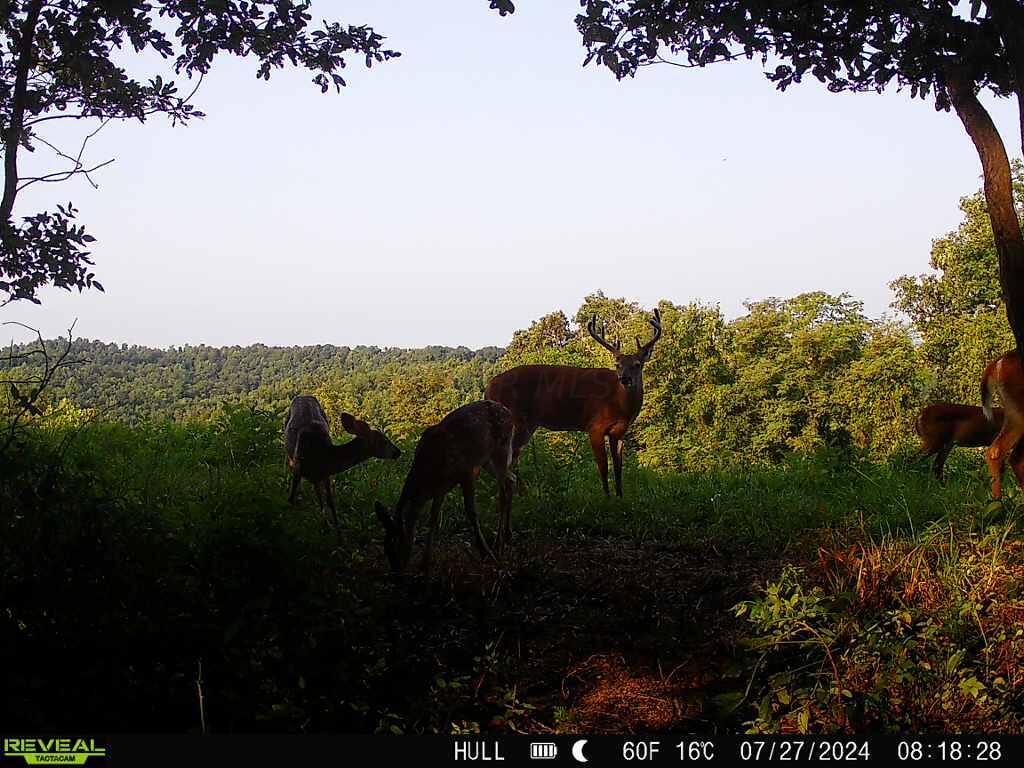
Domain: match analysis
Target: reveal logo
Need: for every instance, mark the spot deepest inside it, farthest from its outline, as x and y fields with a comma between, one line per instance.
x=53, y=751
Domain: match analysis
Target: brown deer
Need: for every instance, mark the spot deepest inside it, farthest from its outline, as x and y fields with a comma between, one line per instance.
x=1005, y=376
x=451, y=454
x=314, y=456
x=599, y=401
x=944, y=426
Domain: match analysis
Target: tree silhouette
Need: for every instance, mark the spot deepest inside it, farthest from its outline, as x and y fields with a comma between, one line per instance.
x=61, y=60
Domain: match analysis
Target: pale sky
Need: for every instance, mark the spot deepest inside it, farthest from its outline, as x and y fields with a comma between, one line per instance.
x=484, y=179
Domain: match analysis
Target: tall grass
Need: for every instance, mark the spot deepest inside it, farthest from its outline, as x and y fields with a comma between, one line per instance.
x=196, y=471
x=191, y=475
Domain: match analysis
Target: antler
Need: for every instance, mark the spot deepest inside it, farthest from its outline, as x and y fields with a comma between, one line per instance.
x=656, y=324
x=599, y=338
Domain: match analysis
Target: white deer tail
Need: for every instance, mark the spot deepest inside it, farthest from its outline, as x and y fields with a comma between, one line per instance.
x=508, y=450
x=986, y=394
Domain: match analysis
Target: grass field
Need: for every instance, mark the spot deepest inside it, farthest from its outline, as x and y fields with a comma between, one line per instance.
x=154, y=578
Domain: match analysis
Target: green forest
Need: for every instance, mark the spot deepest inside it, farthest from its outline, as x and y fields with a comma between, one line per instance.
x=781, y=561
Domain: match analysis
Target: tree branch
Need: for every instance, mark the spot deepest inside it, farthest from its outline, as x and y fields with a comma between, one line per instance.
x=57, y=176
x=76, y=160
x=659, y=59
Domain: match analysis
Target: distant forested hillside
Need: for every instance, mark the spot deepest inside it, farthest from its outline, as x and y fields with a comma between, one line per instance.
x=132, y=383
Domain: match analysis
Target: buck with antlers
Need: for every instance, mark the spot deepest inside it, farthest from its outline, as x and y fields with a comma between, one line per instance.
x=599, y=401
x=943, y=426
x=451, y=454
x=314, y=456
x=1005, y=376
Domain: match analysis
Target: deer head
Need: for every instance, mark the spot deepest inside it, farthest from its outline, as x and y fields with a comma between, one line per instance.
x=378, y=446
x=629, y=368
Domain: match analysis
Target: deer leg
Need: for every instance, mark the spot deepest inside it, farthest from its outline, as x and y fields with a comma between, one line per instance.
x=506, y=487
x=329, y=493
x=469, y=500
x=435, y=522
x=505, y=512
x=926, y=450
x=1017, y=463
x=995, y=471
x=617, y=445
x=319, y=495
x=295, y=489
x=940, y=460
x=601, y=457
x=996, y=456
x=520, y=438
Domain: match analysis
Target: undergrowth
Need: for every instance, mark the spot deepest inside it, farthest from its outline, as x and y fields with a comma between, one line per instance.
x=143, y=569
x=917, y=633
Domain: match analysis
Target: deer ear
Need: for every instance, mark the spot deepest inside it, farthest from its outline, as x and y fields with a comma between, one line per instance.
x=348, y=421
x=360, y=428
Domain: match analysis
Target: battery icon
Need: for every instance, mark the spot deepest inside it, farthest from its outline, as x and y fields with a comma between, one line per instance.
x=543, y=750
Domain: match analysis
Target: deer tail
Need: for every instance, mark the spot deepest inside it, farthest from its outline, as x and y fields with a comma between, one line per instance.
x=508, y=450
x=986, y=393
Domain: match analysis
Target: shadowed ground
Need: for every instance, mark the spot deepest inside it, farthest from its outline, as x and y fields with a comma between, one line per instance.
x=607, y=636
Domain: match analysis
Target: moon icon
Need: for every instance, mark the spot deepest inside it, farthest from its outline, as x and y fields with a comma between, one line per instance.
x=577, y=751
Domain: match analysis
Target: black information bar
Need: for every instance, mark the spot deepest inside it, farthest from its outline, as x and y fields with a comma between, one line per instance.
x=121, y=751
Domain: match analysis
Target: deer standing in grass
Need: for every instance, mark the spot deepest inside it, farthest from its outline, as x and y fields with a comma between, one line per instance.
x=314, y=456
x=1005, y=376
x=451, y=454
x=599, y=401
x=943, y=426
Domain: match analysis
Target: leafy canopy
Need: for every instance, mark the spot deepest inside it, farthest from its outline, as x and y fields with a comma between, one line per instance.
x=850, y=46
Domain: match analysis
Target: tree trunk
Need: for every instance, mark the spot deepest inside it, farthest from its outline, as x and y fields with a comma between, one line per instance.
x=1020, y=113
x=998, y=195
x=11, y=134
